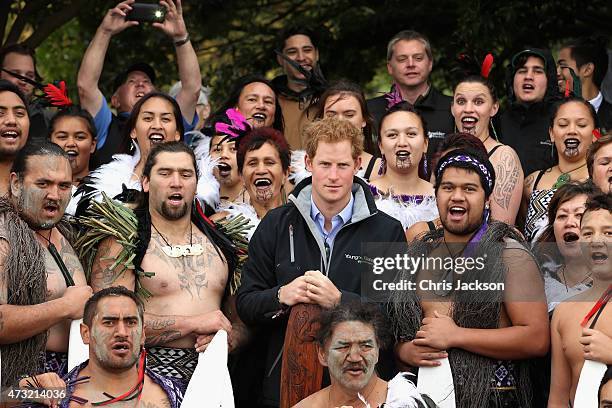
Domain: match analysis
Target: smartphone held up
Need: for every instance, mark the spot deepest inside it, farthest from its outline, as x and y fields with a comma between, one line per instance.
x=147, y=12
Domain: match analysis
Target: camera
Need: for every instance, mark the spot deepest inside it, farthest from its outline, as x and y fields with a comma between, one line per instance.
x=146, y=12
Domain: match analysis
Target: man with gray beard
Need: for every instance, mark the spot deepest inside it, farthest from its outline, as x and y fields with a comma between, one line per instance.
x=42, y=284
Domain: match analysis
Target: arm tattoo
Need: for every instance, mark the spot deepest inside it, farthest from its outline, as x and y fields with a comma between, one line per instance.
x=101, y=271
x=160, y=330
x=507, y=174
x=159, y=324
x=163, y=338
x=69, y=257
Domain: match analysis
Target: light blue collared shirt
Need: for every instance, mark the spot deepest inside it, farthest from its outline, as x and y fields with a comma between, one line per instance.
x=337, y=221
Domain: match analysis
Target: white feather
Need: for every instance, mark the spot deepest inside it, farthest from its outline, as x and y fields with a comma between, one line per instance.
x=409, y=212
x=402, y=393
x=247, y=211
x=110, y=177
x=208, y=186
x=297, y=171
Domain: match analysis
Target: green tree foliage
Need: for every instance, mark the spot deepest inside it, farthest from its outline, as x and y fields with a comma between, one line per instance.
x=237, y=37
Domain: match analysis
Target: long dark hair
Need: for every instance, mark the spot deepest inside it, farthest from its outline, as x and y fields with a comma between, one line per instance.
x=130, y=124
x=223, y=246
x=234, y=96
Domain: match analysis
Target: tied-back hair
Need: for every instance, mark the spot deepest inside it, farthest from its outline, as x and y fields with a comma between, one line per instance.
x=475, y=155
x=35, y=148
x=130, y=124
x=74, y=111
x=577, y=99
x=343, y=89
x=458, y=140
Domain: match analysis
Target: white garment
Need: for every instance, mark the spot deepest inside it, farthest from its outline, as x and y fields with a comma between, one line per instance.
x=596, y=101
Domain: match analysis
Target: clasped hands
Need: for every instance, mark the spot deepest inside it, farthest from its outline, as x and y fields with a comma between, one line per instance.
x=437, y=334
x=312, y=287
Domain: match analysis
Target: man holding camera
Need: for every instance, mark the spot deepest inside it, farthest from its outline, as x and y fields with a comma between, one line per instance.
x=137, y=80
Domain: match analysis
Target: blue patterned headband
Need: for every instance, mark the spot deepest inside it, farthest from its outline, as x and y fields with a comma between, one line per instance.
x=473, y=163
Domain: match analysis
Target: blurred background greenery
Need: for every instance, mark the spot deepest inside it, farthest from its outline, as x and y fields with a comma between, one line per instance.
x=234, y=38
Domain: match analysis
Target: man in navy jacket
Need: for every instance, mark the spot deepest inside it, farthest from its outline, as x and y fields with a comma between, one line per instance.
x=310, y=249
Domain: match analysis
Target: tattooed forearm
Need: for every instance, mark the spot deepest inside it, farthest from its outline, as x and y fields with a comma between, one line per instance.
x=161, y=329
x=507, y=175
x=159, y=324
x=163, y=338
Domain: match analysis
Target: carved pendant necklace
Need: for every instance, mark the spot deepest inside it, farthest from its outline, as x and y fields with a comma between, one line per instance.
x=177, y=251
x=564, y=177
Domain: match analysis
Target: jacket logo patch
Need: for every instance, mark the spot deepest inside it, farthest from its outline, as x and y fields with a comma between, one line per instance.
x=359, y=258
x=436, y=135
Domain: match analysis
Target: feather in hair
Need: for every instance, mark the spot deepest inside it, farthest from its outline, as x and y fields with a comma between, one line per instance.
x=57, y=96
x=487, y=64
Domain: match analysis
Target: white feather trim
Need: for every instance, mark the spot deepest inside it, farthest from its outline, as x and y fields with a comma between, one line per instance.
x=409, y=212
x=110, y=177
x=402, y=393
x=208, y=186
x=247, y=211
x=200, y=144
x=297, y=171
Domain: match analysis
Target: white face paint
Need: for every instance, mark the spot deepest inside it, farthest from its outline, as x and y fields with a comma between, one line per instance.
x=351, y=355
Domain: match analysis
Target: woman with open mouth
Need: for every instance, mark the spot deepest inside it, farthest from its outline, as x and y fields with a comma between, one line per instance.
x=474, y=105
x=256, y=100
x=73, y=130
x=400, y=191
x=571, y=131
x=263, y=159
x=222, y=148
x=155, y=118
x=558, y=249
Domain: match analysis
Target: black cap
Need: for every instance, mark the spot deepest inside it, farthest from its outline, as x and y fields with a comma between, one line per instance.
x=528, y=52
x=139, y=66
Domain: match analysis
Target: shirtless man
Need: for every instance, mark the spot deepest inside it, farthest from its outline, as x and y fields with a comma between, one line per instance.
x=350, y=338
x=483, y=332
x=113, y=328
x=37, y=301
x=188, y=286
x=572, y=342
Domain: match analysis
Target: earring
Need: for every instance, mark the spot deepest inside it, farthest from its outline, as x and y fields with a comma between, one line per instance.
x=493, y=129
x=383, y=166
